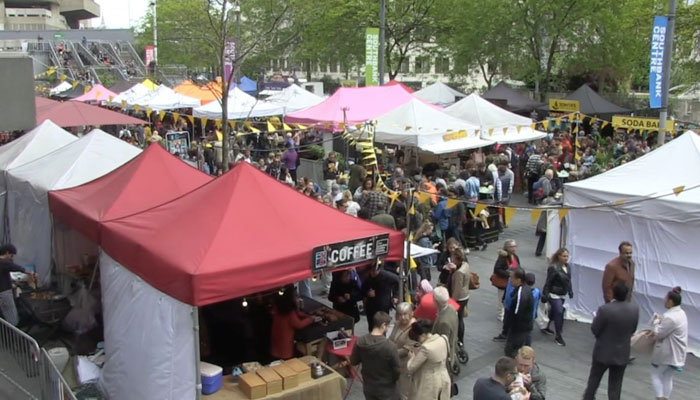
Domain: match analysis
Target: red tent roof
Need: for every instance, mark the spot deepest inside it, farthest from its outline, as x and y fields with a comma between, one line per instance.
x=75, y=113
x=240, y=234
x=152, y=178
x=394, y=82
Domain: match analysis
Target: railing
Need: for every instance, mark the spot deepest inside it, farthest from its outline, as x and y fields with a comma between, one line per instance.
x=54, y=386
x=20, y=360
x=28, y=367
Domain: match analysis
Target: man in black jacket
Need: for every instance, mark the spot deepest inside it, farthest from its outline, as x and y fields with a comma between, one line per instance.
x=613, y=327
x=7, y=298
x=520, y=315
x=380, y=290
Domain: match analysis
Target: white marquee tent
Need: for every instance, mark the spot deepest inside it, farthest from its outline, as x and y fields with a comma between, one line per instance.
x=294, y=98
x=164, y=98
x=137, y=91
x=40, y=141
x=30, y=227
x=663, y=228
x=440, y=94
x=495, y=123
x=60, y=88
x=240, y=105
x=418, y=124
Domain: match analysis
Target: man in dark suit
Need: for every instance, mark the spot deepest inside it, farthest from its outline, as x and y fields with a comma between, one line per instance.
x=613, y=326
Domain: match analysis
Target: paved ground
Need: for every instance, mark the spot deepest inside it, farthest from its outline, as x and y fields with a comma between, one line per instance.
x=567, y=367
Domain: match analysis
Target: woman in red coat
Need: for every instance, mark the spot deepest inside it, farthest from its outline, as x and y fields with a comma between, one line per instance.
x=286, y=320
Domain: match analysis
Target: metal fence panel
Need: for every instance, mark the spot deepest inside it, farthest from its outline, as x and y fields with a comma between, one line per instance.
x=20, y=360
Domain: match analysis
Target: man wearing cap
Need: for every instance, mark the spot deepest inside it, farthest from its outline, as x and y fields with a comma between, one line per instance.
x=7, y=298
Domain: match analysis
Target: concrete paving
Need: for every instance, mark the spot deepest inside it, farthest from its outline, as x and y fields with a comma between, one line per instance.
x=566, y=367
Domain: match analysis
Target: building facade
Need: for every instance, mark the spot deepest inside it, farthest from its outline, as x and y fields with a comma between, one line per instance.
x=45, y=15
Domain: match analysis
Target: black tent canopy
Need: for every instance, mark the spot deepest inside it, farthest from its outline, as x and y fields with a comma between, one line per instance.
x=510, y=99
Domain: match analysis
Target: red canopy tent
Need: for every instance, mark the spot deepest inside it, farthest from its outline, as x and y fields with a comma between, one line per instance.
x=152, y=178
x=75, y=113
x=394, y=82
x=240, y=234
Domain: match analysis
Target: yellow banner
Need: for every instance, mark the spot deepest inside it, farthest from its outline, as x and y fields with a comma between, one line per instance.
x=563, y=105
x=454, y=136
x=627, y=122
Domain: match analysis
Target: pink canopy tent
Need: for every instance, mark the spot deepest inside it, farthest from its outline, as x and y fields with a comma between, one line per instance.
x=360, y=105
x=74, y=113
x=98, y=93
x=394, y=82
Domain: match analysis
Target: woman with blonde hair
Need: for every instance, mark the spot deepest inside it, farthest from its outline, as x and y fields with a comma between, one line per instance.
x=399, y=336
x=350, y=203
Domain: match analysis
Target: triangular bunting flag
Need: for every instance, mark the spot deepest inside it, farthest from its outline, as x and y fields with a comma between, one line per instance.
x=161, y=115
x=479, y=207
x=75, y=83
x=270, y=127
x=562, y=213
x=535, y=215
x=678, y=190
x=87, y=89
x=604, y=124
x=577, y=156
x=232, y=124
x=451, y=202
x=508, y=213
x=63, y=77
x=217, y=124
x=137, y=108
x=557, y=121
x=302, y=127
x=422, y=197
x=358, y=126
x=191, y=119
x=545, y=124
x=393, y=196
x=111, y=98
x=370, y=157
x=149, y=110
x=286, y=127
x=576, y=128
x=491, y=132
x=204, y=123
x=593, y=120
x=518, y=128
x=341, y=126
x=176, y=117
x=412, y=211
x=505, y=130
x=533, y=126
x=123, y=104
x=572, y=116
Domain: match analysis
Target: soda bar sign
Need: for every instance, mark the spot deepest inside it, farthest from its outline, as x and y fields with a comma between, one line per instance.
x=620, y=121
x=352, y=252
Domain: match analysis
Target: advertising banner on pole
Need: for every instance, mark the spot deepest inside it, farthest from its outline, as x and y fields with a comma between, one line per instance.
x=229, y=57
x=656, y=63
x=150, y=55
x=372, y=57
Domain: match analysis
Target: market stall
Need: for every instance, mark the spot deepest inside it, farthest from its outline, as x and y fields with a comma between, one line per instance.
x=239, y=235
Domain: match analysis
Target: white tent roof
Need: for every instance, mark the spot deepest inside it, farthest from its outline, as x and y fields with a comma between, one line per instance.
x=418, y=124
x=38, y=142
x=84, y=160
x=241, y=105
x=60, y=88
x=505, y=126
x=137, y=91
x=439, y=93
x=164, y=98
x=294, y=98
x=670, y=166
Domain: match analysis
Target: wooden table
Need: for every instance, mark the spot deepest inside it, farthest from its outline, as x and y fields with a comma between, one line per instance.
x=329, y=387
x=311, y=339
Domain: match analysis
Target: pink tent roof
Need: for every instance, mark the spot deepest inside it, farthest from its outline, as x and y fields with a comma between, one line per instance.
x=152, y=178
x=75, y=113
x=360, y=105
x=394, y=82
x=97, y=93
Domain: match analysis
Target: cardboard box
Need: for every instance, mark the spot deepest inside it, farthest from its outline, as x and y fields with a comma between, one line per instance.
x=252, y=385
x=289, y=377
x=301, y=368
x=272, y=380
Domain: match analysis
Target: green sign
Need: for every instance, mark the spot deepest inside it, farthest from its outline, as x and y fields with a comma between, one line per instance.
x=58, y=36
x=372, y=57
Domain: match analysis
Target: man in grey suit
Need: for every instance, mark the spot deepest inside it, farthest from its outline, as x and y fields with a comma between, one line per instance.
x=613, y=326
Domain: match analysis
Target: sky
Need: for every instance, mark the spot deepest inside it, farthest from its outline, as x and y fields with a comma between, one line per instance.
x=121, y=13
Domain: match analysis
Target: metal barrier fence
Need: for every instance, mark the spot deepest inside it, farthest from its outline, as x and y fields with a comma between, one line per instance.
x=53, y=386
x=28, y=367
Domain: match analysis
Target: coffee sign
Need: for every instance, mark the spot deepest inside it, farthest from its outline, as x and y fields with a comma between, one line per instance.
x=352, y=252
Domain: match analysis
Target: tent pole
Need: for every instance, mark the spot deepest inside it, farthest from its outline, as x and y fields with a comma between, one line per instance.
x=198, y=377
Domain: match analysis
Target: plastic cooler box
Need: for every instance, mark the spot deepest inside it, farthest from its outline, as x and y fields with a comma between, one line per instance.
x=211, y=377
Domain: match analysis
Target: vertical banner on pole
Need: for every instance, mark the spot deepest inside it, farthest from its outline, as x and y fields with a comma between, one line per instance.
x=372, y=57
x=150, y=55
x=229, y=56
x=656, y=63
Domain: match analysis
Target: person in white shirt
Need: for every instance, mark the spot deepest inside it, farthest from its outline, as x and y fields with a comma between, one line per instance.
x=670, y=334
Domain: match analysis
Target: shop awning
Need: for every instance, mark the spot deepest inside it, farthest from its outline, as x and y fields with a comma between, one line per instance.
x=240, y=234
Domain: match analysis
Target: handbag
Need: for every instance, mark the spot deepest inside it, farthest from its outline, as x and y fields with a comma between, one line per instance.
x=454, y=389
x=499, y=281
x=642, y=342
x=474, y=281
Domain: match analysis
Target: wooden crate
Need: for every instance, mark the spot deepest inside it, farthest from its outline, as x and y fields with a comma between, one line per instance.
x=290, y=378
x=301, y=368
x=252, y=385
x=272, y=380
